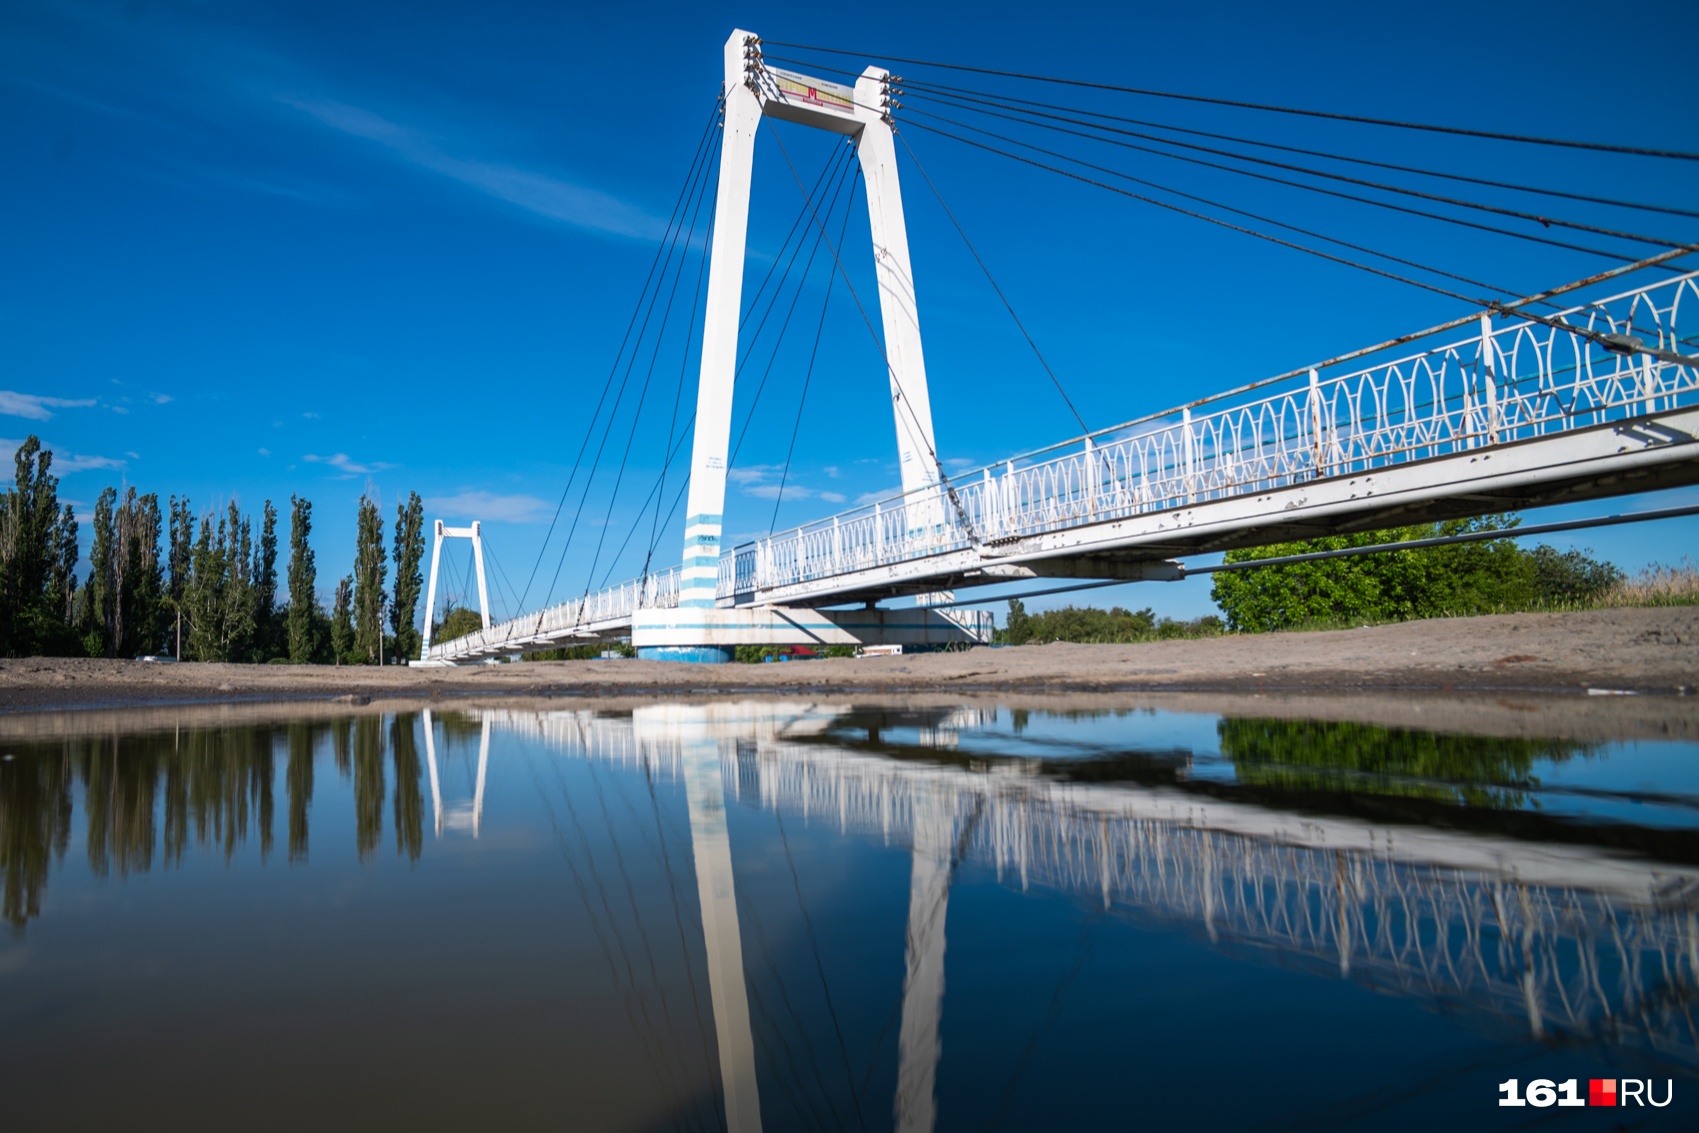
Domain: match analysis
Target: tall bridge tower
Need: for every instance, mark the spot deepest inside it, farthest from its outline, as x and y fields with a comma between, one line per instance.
x=753, y=90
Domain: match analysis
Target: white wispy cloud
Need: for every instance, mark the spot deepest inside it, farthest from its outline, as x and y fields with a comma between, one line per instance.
x=542, y=194
x=763, y=482
x=37, y=407
x=489, y=506
x=64, y=462
x=348, y=467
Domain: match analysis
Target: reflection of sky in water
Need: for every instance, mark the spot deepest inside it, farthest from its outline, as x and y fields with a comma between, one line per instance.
x=552, y=970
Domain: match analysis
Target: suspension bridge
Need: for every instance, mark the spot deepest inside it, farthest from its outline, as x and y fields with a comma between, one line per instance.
x=1584, y=391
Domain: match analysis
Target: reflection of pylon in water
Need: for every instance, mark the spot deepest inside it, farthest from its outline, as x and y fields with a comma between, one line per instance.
x=463, y=815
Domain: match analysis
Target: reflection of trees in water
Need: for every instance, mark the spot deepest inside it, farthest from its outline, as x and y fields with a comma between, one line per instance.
x=35, y=827
x=1479, y=771
x=161, y=794
x=409, y=803
x=299, y=777
x=368, y=782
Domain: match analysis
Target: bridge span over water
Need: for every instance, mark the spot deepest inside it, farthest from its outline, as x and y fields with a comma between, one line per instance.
x=1585, y=391
x=1506, y=416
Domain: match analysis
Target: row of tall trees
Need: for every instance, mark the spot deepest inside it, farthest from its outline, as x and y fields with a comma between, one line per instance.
x=210, y=593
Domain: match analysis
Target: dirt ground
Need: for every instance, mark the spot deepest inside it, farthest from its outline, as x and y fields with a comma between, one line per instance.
x=1594, y=654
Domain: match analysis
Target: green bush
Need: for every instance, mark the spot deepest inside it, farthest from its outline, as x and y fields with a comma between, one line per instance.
x=1424, y=582
x=1088, y=624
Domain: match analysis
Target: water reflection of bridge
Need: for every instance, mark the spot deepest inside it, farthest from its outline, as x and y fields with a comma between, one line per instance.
x=1549, y=932
x=1563, y=939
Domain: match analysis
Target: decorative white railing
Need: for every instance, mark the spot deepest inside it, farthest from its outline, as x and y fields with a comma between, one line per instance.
x=588, y=616
x=1509, y=382
x=1505, y=383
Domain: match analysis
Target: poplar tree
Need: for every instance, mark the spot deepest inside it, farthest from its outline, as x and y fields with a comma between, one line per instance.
x=202, y=594
x=99, y=608
x=369, y=571
x=303, y=583
x=28, y=515
x=342, y=620
x=62, y=572
x=266, y=644
x=137, y=621
x=236, y=608
x=409, y=554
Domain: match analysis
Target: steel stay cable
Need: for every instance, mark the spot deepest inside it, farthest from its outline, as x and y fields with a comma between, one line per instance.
x=678, y=922
x=801, y=215
x=1219, y=205
x=660, y=338
x=1054, y=380
x=1528, y=236
x=648, y=1033
x=1614, y=343
x=642, y=1033
x=1659, y=261
x=589, y=429
x=902, y=396
x=1199, y=215
x=637, y=916
x=607, y=429
x=1491, y=305
x=820, y=969
x=807, y=378
x=777, y=291
x=1349, y=355
x=789, y=1047
x=1306, y=170
x=927, y=89
x=796, y=297
x=694, y=187
x=657, y=492
x=678, y=395
x=837, y=188
x=1603, y=147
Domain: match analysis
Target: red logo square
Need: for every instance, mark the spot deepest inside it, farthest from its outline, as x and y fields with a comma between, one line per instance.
x=1601, y=1091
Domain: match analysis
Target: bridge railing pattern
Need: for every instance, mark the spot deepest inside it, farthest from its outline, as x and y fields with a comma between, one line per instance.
x=1504, y=383
x=590, y=615
x=1513, y=379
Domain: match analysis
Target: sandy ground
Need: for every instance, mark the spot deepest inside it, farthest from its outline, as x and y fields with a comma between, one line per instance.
x=1644, y=651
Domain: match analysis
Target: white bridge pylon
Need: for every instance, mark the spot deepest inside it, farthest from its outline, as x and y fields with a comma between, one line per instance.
x=476, y=534
x=753, y=91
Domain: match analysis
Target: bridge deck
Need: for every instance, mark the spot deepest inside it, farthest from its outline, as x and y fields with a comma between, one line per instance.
x=1519, y=415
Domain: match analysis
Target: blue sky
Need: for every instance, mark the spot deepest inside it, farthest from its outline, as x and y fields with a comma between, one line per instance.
x=260, y=249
